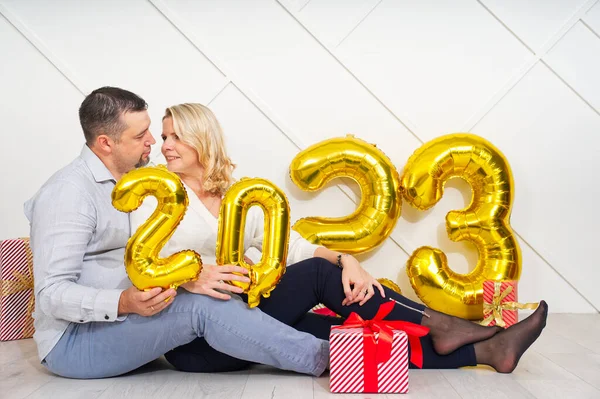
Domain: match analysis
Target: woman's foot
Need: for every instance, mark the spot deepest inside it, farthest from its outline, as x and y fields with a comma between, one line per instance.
x=449, y=333
x=504, y=350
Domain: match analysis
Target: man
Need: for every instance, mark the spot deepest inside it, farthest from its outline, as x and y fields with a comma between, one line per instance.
x=90, y=321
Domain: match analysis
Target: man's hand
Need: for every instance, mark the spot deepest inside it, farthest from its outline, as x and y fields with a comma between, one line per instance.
x=145, y=303
x=213, y=277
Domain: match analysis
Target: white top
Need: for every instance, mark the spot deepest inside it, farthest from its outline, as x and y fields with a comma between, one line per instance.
x=198, y=231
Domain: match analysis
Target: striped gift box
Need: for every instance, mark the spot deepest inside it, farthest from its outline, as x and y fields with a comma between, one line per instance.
x=347, y=363
x=324, y=311
x=16, y=290
x=492, y=292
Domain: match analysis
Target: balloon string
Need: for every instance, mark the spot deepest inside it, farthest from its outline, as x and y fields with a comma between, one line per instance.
x=410, y=307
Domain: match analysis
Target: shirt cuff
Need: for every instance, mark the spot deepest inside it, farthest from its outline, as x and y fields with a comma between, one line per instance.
x=106, y=305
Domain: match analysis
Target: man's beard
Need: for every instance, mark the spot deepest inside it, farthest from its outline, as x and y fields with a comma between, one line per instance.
x=142, y=162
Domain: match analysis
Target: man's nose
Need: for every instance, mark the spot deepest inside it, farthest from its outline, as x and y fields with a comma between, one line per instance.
x=152, y=141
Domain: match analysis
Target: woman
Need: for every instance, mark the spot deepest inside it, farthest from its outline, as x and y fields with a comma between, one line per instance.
x=193, y=146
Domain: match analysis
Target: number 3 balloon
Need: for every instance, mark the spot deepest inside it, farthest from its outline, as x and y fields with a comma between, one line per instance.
x=485, y=222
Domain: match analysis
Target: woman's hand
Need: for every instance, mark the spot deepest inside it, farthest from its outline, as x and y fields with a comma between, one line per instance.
x=363, y=283
x=213, y=277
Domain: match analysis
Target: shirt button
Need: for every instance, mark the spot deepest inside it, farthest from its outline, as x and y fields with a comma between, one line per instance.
x=106, y=317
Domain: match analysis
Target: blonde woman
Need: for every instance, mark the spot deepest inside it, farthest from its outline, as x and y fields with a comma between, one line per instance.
x=193, y=146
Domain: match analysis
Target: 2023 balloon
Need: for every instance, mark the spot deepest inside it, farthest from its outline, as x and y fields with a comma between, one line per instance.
x=485, y=222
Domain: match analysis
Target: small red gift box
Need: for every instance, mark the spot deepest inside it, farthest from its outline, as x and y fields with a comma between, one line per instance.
x=16, y=289
x=371, y=356
x=497, y=298
x=500, y=306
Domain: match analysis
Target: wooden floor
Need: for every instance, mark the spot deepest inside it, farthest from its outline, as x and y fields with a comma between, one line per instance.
x=563, y=363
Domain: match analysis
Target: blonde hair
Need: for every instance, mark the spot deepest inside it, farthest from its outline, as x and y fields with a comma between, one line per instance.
x=197, y=126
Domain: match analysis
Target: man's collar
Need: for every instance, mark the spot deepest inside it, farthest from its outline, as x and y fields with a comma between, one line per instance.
x=97, y=167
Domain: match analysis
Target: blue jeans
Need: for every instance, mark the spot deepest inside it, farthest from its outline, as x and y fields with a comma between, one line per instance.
x=97, y=350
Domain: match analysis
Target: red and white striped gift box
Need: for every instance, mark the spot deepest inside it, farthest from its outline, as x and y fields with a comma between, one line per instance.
x=347, y=363
x=16, y=289
x=323, y=311
x=492, y=292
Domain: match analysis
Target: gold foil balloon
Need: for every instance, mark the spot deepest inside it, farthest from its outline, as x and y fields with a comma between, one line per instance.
x=144, y=267
x=485, y=222
x=376, y=215
x=265, y=274
x=390, y=284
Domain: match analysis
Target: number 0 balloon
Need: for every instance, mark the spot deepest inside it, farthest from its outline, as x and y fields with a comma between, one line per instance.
x=264, y=275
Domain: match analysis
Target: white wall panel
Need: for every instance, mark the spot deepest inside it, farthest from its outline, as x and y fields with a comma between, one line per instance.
x=534, y=21
x=332, y=20
x=434, y=63
x=550, y=139
x=576, y=59
x=290, y=72
x=295, y=5
x=540, y=281
x=122, y=43
x=40, y=128
x=592, y=18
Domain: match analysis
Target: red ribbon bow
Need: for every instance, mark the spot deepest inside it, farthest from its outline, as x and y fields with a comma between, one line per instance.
x=380, y=352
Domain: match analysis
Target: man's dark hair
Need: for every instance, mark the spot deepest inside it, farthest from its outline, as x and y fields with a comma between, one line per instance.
x=100, y=112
